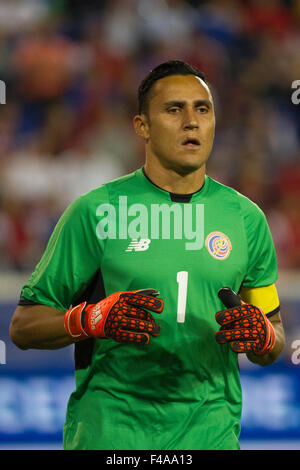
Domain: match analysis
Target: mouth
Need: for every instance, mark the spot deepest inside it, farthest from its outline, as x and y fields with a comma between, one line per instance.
x=191, y=142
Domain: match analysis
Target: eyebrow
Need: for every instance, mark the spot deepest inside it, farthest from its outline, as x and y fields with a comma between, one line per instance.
x=181, y=104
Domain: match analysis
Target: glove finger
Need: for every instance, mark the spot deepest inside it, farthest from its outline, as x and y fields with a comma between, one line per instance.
x=117, y=320
x=123, y=336
x=136, y=312
x=236, y=313
x=253, y=322
x=241, y=334
x=145, y=301
x=245, y=346
x=152, y=292
x=229, y=297
x=137, y=325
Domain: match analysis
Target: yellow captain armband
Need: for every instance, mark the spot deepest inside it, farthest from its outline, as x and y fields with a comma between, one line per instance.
x=265, y=298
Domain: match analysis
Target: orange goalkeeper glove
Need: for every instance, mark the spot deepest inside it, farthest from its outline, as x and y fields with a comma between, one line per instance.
x=121, y=316
x=244, y=326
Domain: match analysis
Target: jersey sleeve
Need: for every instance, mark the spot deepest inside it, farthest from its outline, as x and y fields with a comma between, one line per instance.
x=71, y=259
x=265, y=298
x=262, y=262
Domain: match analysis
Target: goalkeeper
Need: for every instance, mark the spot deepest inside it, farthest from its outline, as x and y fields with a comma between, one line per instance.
x=156, y=348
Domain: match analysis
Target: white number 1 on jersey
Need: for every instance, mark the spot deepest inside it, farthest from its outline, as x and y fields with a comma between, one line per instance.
x=182, y=279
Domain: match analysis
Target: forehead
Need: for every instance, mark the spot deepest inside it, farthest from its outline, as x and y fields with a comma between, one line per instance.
x=181, y=88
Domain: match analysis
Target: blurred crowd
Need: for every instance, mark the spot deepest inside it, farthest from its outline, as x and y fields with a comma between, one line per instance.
x=72, y=70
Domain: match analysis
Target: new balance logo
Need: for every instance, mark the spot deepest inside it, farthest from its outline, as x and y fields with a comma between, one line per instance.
x=139, y=245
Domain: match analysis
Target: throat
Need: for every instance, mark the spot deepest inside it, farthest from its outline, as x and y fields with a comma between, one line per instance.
x=176, y=196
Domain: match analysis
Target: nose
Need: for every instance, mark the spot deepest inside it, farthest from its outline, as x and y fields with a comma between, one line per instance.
x=190, y=120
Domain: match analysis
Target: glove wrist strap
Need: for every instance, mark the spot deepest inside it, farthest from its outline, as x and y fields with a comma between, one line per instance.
x=73, y=322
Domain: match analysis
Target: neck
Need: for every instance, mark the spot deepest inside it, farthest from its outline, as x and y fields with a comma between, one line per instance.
x=172, y=181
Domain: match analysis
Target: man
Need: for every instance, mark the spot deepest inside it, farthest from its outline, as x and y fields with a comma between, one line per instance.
x=167, y=379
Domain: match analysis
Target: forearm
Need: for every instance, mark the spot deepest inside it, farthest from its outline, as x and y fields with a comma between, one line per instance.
x=271, y=357
x=39, y=327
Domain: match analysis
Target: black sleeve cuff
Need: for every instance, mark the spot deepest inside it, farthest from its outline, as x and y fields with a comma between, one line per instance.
x=270, y=314
x=27, y=302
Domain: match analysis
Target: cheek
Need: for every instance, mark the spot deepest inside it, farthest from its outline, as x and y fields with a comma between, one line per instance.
x=161, y=135
x=210, y=133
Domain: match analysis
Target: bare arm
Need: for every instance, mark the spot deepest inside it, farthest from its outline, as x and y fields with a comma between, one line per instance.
x=38, y=327
x=278, y=346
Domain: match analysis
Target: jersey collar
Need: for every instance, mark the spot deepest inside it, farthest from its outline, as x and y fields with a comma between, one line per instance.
x=175, y=197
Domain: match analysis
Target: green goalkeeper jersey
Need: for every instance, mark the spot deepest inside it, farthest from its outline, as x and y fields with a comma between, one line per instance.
x=182, y=390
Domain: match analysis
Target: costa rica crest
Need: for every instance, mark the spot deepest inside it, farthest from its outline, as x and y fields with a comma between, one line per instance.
x=218, y=245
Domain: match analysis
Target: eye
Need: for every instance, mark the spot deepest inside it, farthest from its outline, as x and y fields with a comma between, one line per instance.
x=174, y=110
x=202, y=110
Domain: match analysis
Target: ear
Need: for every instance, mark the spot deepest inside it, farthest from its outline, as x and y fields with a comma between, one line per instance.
x=141, y=126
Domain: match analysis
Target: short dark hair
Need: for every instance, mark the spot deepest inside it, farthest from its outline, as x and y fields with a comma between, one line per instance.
x=171, y=67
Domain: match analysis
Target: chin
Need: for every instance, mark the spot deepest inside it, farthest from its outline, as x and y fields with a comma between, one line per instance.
x=187, y=166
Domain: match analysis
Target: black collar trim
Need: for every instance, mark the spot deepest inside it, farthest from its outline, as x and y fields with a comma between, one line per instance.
x=175, y=197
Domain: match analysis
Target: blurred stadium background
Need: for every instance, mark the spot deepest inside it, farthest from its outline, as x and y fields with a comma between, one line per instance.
x=71, y=70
